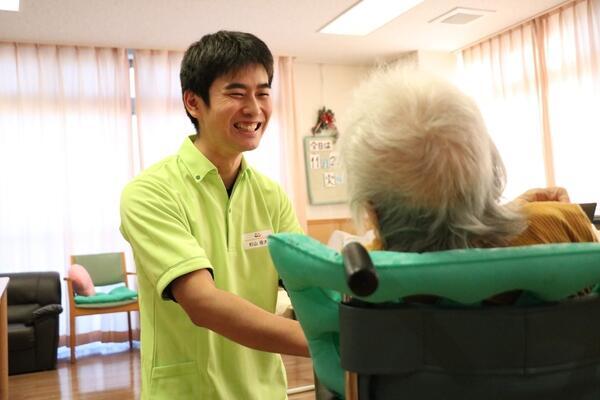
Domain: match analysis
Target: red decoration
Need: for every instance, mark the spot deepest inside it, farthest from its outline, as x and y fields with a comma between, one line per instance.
x=325, y=121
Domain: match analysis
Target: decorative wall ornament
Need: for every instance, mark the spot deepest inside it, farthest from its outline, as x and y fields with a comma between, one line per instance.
x=325, y=122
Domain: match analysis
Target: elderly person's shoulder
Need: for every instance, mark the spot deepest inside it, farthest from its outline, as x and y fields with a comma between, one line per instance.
x=554, y=222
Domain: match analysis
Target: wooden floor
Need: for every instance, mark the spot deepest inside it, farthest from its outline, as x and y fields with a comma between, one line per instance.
x=117, y=377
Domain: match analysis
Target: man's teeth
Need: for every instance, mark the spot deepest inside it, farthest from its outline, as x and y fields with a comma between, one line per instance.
x=247, y=127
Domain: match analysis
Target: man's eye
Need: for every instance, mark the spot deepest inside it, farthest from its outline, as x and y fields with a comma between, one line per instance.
x=236, y=94
x=264, y=94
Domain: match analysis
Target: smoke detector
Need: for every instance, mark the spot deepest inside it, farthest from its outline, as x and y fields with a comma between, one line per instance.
x=461, y=16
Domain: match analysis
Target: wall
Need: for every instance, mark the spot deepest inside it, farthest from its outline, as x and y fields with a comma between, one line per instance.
x=439, y=63
x=319, y=85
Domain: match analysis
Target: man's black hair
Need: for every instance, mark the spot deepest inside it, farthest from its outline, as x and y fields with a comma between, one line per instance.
x=217, y=54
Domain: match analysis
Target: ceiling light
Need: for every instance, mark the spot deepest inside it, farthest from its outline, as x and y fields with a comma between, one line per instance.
x=461, y=15
x=9, y=5
x=367, y=15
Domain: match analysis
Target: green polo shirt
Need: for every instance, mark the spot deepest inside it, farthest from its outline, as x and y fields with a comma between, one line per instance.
x=178, y=218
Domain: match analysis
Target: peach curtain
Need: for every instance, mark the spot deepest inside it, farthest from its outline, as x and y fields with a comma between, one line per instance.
x=571, y=50
x=65, y=155
x=500, y=74
x=539, y=88
x=292, y=157
x=159, y=113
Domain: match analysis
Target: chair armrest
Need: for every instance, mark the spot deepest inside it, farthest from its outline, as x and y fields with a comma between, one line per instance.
x=49, y=310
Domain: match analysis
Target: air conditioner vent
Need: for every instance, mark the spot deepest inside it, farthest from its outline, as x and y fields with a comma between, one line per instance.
x=461, y=16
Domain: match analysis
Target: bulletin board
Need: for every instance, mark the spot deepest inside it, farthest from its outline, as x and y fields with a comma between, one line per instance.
x=325, y=179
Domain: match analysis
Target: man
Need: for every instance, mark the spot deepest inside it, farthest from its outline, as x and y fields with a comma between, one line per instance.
x=197, y=223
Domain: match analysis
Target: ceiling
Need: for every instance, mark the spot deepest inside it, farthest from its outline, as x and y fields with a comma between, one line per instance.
x=289, y=27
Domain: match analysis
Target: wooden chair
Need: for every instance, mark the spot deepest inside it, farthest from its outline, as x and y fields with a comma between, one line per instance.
x=104, y=269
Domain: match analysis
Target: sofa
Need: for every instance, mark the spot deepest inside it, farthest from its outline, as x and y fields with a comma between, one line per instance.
x=34, y=305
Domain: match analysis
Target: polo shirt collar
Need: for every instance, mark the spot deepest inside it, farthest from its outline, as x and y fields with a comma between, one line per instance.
x=197, y=163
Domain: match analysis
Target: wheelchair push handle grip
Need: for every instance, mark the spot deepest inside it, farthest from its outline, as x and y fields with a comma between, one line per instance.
x=361, y=276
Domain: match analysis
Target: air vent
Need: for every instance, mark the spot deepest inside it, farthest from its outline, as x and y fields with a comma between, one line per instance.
x=461, y=16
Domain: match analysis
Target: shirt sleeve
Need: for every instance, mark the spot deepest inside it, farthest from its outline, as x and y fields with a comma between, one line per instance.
x=160, y=236
x=552, y=222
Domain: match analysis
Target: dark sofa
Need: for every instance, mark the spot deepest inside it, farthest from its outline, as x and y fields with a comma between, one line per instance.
x=34, y=300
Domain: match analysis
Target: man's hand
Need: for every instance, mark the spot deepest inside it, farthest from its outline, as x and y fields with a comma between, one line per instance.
x=555, y=193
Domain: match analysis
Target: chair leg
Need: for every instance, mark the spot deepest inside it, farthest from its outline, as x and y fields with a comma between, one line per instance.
x=351, y=385
x=72, y=338
x=130, y=333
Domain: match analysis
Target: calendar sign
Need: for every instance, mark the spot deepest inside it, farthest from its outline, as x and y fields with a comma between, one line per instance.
x=325, y=178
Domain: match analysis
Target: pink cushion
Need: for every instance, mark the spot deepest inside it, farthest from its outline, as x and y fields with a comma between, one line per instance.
x=82, y=283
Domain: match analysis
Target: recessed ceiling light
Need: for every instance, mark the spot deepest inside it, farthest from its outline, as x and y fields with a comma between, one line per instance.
x=461, y=15
x=367, y=15
x=9, y=5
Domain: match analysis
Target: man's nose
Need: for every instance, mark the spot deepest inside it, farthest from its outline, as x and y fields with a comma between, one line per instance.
x=251, y=107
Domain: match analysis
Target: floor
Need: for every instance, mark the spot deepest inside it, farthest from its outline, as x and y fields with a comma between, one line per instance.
x=117, y=376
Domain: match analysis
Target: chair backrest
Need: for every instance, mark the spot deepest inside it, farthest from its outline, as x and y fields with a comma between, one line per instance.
x=104, y=268
x=315, y=278
x=40, y=288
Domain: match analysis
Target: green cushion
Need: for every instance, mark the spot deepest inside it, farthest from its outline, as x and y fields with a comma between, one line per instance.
x=120, y=295
x=314, y=277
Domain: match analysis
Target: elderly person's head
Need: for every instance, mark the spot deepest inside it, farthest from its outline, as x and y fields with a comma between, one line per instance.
x=421, y=164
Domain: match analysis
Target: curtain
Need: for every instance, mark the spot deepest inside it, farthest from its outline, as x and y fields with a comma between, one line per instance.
x=571, y=49
x=162, y=123
x=291, y=156
x=65, y=155
x=538, y=86
x=501, y=75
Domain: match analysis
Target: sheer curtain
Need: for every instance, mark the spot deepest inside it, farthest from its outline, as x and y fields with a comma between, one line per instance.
x=500, y=74
x=539, y=88
x=163, y=124
x=292, y=156
x=571, y=49
x=65, y=155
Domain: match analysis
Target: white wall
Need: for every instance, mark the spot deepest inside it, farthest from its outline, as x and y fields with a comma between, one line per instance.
x=319, y=85
x=442, y=64
x=439, y=63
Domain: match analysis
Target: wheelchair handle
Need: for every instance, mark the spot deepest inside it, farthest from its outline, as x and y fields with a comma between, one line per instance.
x=361, y=276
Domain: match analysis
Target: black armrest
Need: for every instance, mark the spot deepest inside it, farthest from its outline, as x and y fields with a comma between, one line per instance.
x=49, y=310
x=361, y=276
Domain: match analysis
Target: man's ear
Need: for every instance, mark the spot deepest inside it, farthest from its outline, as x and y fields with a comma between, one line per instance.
x=193, y=103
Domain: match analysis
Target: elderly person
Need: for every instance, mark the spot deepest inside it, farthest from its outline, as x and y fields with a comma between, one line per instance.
x=422, y=167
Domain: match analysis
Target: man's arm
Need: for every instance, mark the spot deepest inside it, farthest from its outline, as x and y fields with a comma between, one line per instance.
x=236, y=318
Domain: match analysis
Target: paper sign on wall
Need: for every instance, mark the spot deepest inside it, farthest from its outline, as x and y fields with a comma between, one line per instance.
x=325, y=178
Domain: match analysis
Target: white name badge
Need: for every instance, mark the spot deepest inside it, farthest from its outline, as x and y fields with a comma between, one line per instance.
x=255, y=239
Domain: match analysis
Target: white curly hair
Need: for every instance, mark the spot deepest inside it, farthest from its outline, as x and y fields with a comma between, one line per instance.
x=417, y=154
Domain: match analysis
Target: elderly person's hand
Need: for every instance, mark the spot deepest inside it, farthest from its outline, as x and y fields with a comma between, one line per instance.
x=555, y=193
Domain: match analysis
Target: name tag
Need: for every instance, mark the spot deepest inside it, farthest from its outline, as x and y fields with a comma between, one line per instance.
x=255, y=239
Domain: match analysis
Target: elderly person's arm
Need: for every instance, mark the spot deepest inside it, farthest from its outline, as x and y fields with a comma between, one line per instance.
x=554, y=193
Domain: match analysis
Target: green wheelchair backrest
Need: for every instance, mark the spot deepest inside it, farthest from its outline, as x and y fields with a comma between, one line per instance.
x=314, y=277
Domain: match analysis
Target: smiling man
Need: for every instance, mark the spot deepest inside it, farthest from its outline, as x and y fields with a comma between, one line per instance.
x=197, y=224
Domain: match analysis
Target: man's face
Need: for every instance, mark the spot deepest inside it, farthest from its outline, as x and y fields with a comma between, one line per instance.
x=240, y=108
